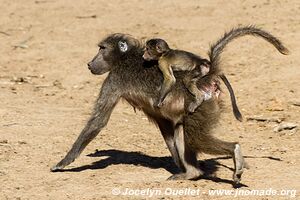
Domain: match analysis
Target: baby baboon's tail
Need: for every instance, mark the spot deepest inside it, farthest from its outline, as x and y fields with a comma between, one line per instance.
x=235, y=108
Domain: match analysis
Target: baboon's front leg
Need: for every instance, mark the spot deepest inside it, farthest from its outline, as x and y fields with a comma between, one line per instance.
x=108, y=98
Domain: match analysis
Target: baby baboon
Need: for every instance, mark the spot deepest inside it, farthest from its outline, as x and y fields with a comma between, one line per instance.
x=170, y=60
x=185, y=135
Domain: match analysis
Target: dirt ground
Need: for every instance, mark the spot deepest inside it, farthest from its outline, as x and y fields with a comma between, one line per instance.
x=47, y=93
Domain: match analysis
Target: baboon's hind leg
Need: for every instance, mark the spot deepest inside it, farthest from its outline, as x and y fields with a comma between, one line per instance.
x=190, y=82
x=187, y=157
x=239, y=163
x=212, y=145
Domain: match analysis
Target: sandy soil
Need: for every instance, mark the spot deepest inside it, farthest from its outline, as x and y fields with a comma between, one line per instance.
x=47, y=92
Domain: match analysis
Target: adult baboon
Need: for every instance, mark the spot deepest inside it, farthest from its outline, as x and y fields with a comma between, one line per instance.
x=185, y=135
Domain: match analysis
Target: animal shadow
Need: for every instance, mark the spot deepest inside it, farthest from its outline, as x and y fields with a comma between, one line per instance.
x=115, y=157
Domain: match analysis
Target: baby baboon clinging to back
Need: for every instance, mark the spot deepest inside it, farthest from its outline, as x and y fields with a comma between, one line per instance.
x=170, y=60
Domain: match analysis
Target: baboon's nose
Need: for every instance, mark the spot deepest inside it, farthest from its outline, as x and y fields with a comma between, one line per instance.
x=89, y=65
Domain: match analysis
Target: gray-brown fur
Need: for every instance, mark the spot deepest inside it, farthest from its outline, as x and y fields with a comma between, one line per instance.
x=128, y=78
x=170, y=60
x=235, y=108
x=217, y=48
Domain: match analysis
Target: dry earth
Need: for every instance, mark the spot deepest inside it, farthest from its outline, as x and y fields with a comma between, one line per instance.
x=47, y=92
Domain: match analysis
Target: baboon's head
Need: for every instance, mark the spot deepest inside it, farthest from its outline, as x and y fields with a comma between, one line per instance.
x=155, y=48
x=112, y=50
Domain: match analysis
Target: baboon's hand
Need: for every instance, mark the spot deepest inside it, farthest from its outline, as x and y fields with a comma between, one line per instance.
x=59, y=166
x=158, y=103
x=192, y=107
x=56, y=168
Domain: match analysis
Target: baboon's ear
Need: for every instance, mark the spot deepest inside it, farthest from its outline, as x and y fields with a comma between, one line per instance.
x=123, y=46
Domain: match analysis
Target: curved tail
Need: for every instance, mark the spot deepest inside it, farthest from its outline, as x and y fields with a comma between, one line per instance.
x=235, y=108
x=217, y=48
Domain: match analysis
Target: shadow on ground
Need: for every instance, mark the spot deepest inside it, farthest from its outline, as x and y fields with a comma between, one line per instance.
x=115, y=157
